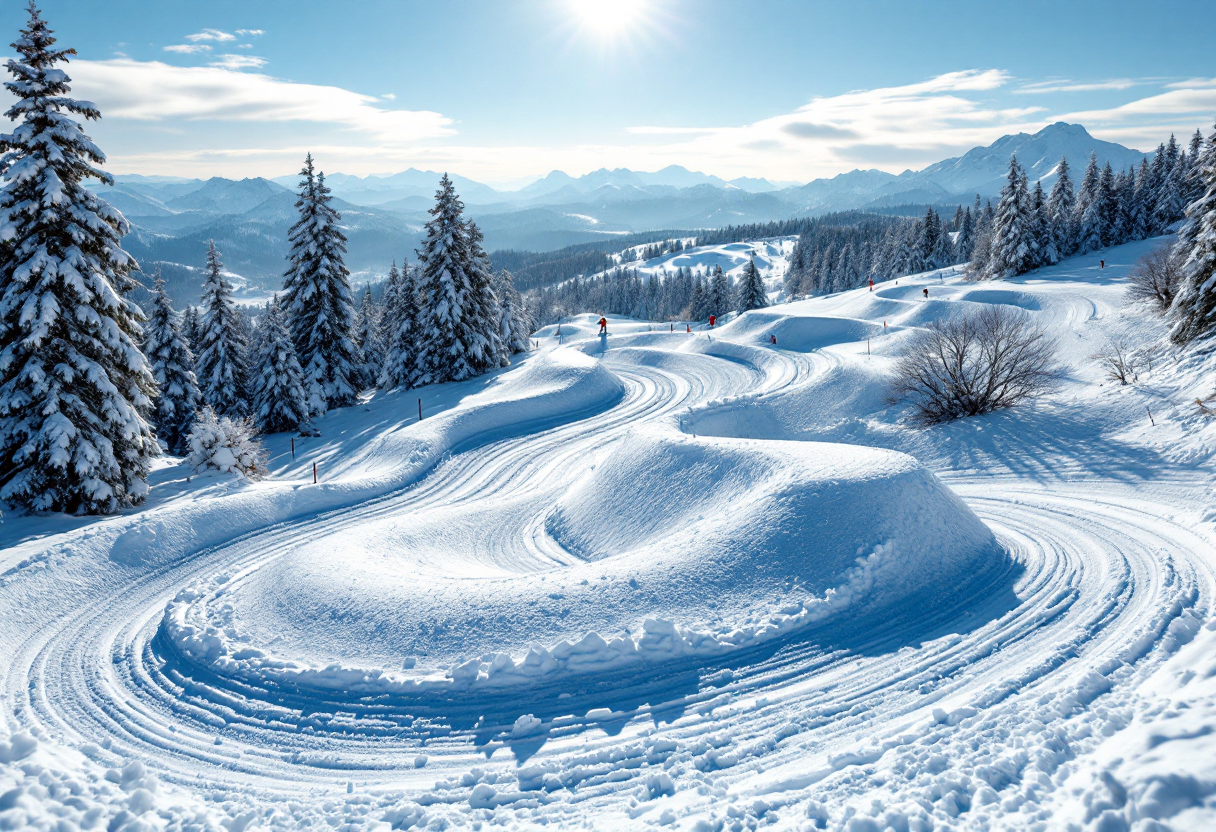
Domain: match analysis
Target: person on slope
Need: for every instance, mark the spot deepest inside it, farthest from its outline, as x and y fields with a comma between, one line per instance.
x=712, y=318
x=926, y=291
x=603, y=326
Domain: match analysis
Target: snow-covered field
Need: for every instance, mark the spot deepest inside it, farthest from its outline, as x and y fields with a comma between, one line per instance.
x=656, y=579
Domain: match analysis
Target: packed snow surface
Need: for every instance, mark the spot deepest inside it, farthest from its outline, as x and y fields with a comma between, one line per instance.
x=658, y=578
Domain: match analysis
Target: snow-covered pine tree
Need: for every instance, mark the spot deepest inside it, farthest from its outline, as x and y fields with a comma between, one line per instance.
x=190, y=328
x=402, y=340
x=223, y=359
x=720, y=292
x=1086, y=238
x=388, y=302
x=964, y=244
x=447, y=336
x=368, y=340
x=173, y=368
x=751, y=290
x=930, y=230
x=279, y=400
x=1040, y=226
x=515, y=324
x=1194, y=308
x=483, y=308
x=1060, y=211
x=1169, y=206
x=317, y=298
x=1140, y=220
x=74, y=387
x=1014, y=248
x=943, y=253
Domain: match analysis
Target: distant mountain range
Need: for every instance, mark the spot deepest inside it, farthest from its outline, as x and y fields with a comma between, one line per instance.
x=173, y=218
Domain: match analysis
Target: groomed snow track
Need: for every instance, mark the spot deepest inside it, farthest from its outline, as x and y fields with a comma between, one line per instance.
x=979, y=713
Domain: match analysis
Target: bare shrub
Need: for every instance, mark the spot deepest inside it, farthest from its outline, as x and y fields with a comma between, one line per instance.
x=1155, y=278
x=1119, y=360
x=976, y=363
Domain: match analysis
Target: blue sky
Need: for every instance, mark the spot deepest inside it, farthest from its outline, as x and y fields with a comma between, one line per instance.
x=503, y=91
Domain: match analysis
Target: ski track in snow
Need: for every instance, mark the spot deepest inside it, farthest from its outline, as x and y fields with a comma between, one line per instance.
x=995, y=710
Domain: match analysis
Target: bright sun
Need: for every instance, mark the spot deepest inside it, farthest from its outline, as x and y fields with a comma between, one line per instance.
x=607, y=18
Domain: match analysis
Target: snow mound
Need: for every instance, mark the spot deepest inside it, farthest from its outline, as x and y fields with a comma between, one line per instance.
x=1003, y=297
x=689, y=546
x=800, y=333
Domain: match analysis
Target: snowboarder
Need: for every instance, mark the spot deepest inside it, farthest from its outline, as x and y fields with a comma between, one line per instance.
x=871, y=283
x=1101, y=264
x=773, y=340
x=926, y=291
x=712, y=318
x=603, y=326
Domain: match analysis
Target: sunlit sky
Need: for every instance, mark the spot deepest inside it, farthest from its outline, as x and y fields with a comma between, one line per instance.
x=507, y=91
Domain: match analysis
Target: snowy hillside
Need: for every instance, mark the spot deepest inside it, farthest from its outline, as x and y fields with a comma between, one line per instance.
x=698, y=581
x=771, y=256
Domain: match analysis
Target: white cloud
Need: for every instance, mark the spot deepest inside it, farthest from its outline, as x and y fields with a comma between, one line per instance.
x=250, y=33
x=211, y=34
x=1064, y=85
x=188, y=48
x=236, y=62
x=388, y=96
x=1198, y=101
x=153, y=91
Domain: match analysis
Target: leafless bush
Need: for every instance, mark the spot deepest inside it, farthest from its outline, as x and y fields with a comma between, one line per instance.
x=979, y=362
x=1155, y=278
x=1119, y=360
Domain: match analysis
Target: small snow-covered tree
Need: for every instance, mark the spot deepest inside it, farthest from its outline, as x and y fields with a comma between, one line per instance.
x=227, y=445
x=279, y=401
x=223, y=360
x=317, y=298
x=751, y=291
x=515, y=323
x=447, y=338
x=402, y=341
x=75, y=389
x=191, y=330
x=369, y=341
x=173, y=368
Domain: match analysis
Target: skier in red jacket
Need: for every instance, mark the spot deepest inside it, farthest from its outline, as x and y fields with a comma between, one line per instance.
x=712, y=318
x=603, y=326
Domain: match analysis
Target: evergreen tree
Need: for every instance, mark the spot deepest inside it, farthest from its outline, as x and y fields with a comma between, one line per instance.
x=1140, y=221
x=317, y=298
x=222, y=366
x=720, y=292
x=388, y=303
x=1040, y=228
x=930, y=230
x=403, y=340
x=279, y=400
x=1169, y=206
x=1194, y=308
x=448, y=338
x=173, y=368
x=74, y=387
x=368, y=340
x=482, y=307
x=1060, y=211
x=965, y=243
x=751, y=292
x=1014, y=250
x=515, y=324
x=190, y=328
x=1086, y=240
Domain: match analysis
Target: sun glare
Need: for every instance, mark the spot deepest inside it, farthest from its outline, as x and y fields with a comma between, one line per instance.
x=607, y=18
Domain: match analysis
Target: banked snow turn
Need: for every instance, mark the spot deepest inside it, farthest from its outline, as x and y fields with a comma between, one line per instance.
x=635, y=582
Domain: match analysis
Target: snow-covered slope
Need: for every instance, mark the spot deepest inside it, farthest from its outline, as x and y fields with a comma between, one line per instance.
x=658, y=578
